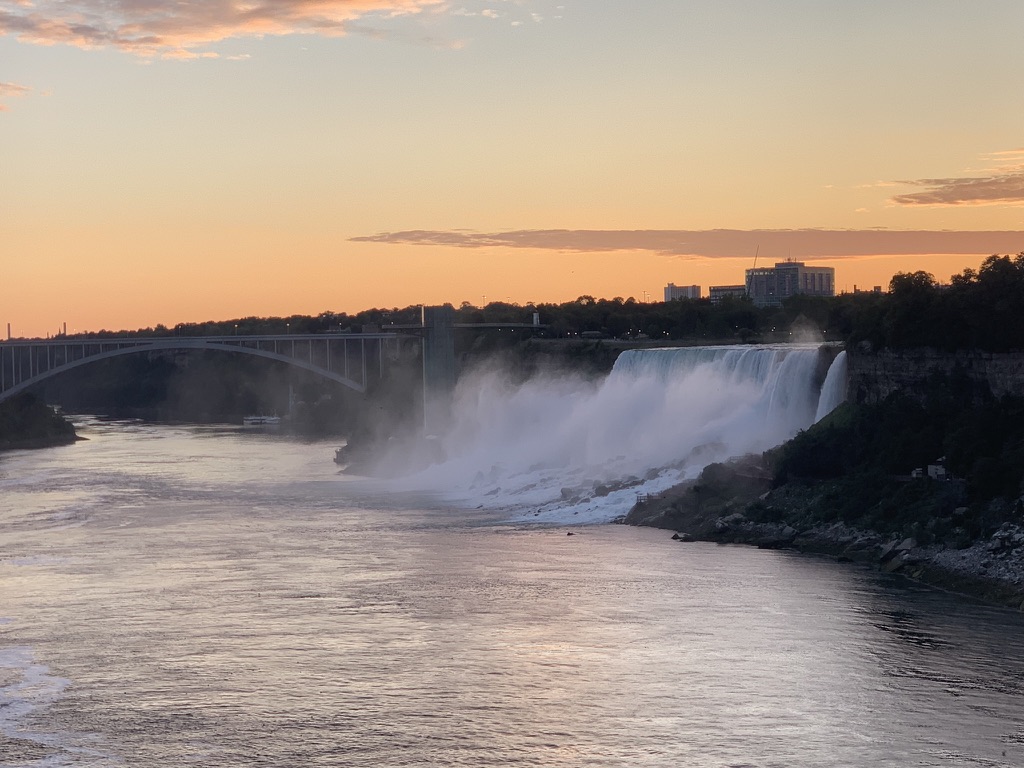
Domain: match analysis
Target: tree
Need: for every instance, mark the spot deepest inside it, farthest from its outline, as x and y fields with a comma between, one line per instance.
x=910, y=319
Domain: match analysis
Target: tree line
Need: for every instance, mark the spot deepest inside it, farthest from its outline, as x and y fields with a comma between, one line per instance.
x=978, y=309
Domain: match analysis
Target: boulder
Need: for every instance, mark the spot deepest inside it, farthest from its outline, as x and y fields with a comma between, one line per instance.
x=774, y=543
x=726, y=523
x=893, y=564
x=862, y=544
x=888, y=552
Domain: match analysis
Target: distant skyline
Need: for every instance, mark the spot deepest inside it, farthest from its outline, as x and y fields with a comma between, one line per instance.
x=169, y=162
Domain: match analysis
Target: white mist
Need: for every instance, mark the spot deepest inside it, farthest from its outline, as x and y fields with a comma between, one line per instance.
x=559, y=449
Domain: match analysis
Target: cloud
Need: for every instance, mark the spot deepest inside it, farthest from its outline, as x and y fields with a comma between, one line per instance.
x=1016, y=155
x=487, y=13
x=723, y=243
x=1003, y=189
x=13, y=89
x=8, y=90
x=176, y=28
x=1002, y=184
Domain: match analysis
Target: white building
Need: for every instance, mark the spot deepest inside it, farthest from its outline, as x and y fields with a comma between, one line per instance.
x=768, y=286
x=673, y=292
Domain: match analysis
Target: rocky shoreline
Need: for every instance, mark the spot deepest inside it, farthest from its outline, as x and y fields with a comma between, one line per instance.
x=28, y=423
x=989, y=568
x=37, y=443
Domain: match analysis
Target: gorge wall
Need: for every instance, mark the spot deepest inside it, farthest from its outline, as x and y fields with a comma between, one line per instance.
x=875, y=375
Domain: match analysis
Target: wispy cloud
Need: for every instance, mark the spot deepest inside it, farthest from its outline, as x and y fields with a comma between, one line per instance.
x=487, y=13
x=8, y=90
x=1000, y=184
x=723, y=243
x=177, y=28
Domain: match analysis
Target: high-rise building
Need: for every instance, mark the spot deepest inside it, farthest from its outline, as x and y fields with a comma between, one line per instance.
x=673, y=292
x=718, y=292
x=768, y=286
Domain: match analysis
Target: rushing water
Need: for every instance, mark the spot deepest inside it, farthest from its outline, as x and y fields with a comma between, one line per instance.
x=175, y=596
x=833, y=390
x=560, y=449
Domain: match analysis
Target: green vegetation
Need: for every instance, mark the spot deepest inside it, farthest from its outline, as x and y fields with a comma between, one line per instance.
x=27, y=422
x=857, y=465
x=697, y=320
x=978, y=310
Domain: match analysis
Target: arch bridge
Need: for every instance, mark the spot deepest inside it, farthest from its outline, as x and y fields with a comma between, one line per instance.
x=354, y=360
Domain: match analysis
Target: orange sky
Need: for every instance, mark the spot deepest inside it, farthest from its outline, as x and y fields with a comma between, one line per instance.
x=167, y=162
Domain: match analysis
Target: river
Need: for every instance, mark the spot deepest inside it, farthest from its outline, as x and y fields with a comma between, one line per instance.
x=203, y=596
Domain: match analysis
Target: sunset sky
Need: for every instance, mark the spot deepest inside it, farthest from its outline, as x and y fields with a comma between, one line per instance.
x=165, y=162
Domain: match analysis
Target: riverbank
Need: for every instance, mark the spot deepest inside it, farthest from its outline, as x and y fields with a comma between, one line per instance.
x=26, y=422
x=734, y=503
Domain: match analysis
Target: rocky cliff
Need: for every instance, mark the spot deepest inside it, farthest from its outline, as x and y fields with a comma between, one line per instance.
x=874, y=375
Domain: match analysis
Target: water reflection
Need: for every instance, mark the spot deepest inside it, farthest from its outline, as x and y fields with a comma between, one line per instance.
x=253, y=608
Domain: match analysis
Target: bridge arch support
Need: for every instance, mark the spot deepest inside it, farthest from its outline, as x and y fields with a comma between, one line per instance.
x=352, y=360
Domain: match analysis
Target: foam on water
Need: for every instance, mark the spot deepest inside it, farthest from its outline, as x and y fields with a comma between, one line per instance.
x=560, y=449
x=25, y=686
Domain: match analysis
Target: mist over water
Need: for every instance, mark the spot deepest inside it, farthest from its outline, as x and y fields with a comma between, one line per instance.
x=580, y=451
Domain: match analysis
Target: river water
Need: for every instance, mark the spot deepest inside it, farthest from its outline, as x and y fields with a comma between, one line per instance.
x=200, y=596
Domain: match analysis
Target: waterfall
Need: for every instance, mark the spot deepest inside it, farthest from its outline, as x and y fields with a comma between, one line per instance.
x=784, y=373
x=583, y=450
x=833, y=391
